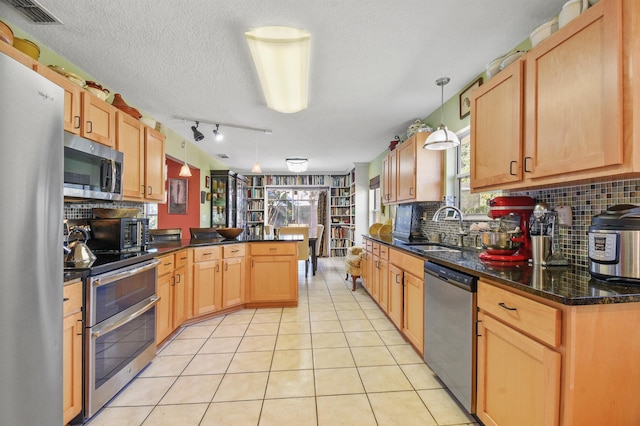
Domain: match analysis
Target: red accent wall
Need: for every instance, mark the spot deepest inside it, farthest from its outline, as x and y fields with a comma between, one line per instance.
x=192, y=218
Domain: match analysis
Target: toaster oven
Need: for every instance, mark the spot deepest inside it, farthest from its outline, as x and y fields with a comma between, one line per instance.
x=119, y=235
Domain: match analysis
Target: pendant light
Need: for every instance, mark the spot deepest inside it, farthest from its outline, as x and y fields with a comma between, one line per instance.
x=442, y=138
x=185, y=171
x=256, y=166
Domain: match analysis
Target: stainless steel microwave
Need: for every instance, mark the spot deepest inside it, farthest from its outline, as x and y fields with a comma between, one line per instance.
x=91, y=170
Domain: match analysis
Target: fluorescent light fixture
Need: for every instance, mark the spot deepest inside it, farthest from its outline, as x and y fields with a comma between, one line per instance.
x=442, y=138
x=281, y=57
x=297, y=165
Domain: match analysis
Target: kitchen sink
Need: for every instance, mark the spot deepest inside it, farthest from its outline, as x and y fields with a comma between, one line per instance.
x=434, y=247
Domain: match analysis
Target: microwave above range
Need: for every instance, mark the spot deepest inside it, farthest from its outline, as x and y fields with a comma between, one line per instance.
x=91, y=170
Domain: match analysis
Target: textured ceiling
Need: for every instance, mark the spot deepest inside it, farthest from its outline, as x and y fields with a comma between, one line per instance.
x=373, y=65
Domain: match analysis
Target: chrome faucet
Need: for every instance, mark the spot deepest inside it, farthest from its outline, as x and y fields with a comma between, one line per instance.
x=461, y=232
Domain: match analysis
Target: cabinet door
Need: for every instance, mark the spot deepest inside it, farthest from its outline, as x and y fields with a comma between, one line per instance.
x=406, y=184
x=164, y=316
x=179, y=296
x=375, y=279
x=154, y=164
x=72, y=366
x=232, y=282
x=413, y=326
x=130, y=141
x=274, y=278
x=72, y=101
x=383, y=284
x=396, y=295
x=518, y=378
x=574, y=96
x=364, y=268
x=207, y=287
x=497, y=129
x=19, y=56
x=98, y=120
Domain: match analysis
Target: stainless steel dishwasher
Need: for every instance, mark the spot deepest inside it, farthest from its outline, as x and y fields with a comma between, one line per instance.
x=449, y=329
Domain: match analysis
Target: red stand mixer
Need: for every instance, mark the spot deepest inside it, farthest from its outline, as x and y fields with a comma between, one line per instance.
x=511, y=210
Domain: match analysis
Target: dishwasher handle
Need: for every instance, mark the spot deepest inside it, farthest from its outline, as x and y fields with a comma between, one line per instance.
x=451, y=276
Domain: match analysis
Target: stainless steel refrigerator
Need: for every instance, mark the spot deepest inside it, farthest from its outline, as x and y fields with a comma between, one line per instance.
x=31, y=217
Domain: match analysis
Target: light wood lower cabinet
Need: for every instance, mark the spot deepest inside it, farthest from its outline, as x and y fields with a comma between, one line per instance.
x=72, y=351
x=273, y=273
x=396, y=296
x=207, y=280
x=233, y=270
x=413, y=324
x=171, y=287
x=518, y=377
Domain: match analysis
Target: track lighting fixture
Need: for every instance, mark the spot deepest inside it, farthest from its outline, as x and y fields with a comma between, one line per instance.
x=197, y=135
x=217, y=133
x=185, y=171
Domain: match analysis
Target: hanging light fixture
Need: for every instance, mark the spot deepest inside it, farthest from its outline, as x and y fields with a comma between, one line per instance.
x=442, y=138
x=256, y=166
x=185, y=171
x=281, y=56
x=297, y=165
x=197, y=134
x=217, y=133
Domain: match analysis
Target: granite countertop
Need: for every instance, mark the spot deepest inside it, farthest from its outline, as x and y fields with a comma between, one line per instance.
x=567, y=285
x=165, y=247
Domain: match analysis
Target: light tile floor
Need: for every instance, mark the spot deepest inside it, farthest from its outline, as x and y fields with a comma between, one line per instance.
x=333, y=360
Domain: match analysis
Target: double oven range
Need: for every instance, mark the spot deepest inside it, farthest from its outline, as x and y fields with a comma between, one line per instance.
x=120, y=319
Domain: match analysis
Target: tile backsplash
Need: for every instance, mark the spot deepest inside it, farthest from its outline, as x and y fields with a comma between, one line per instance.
x=585, y=200
x=82, y=210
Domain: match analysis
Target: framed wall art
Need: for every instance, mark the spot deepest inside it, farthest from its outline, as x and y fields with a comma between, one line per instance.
x=465, y=98
x=178, y=195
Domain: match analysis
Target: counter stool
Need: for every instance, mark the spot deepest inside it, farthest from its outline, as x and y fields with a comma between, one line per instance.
x=352, y=264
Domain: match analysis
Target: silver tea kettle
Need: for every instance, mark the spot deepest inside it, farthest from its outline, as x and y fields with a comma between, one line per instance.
x=80, y=255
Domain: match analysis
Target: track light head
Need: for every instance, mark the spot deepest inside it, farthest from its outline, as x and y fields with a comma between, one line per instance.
x=217, y=133
x=197, y=134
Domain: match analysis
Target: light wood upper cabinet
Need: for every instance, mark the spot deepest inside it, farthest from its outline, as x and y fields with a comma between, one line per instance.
x=19, y=56
x=579, y=100
x=574, y=96
x=154, y=175
x=98, y=120
x=497, y=129
x=130, y=141
x=72, y=98
x=412, y=173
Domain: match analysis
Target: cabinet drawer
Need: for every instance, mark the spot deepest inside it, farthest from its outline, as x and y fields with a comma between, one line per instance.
x=233, y=250
x=368, y=245
x=375, y=249
x=202, y=254
x=384, y=252
x=180, y=259
x=72, y=297
x=536, y=319
x=276, y=249
x=166, y=265
x=411, y=264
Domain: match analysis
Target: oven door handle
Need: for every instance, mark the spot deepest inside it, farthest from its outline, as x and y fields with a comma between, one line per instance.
x=109, y=278
x=152, y=301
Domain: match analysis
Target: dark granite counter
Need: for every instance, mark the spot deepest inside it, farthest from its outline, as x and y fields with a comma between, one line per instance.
x=166, y=247
x=566, y=285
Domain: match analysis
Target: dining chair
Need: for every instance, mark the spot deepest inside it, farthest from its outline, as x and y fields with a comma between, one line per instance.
x=303, y=246
x=268, y=230
x=319, y=239
x=168, y=234
x=203, y=233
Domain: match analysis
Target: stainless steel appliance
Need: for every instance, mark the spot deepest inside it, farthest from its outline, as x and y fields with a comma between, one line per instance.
x=614, y=244
x=406, y=227
x=91, y=170
x=119, y=235
x=506, y=245
x=31, y=212
x=449, y=329
x=120, y=321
